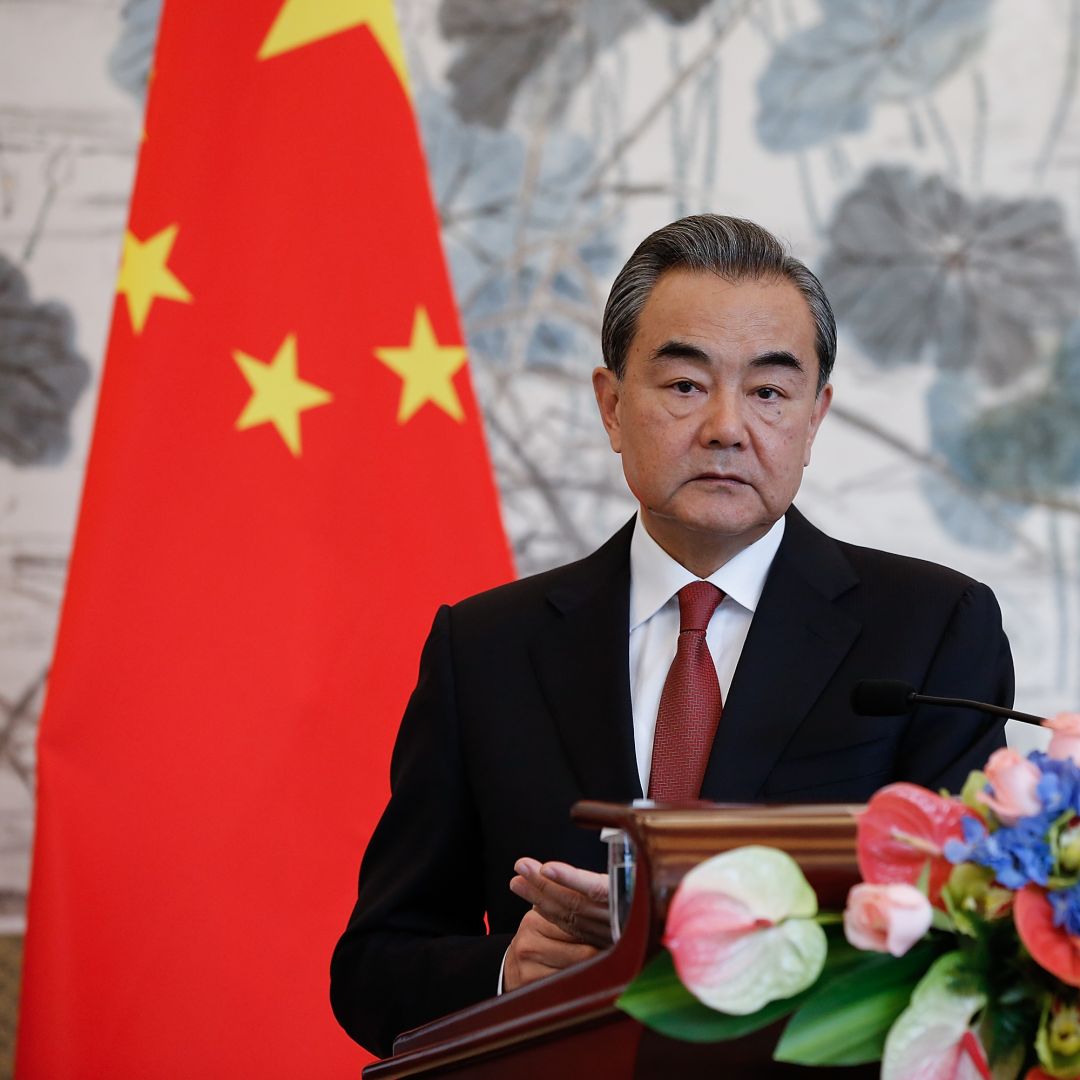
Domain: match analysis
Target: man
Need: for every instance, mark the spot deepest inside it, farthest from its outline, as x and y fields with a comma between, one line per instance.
x=709, y=647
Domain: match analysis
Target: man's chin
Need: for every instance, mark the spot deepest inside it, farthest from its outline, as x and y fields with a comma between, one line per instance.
x=709, y=530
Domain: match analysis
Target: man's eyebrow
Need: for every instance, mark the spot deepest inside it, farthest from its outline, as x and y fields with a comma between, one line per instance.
x=779, y=358
x=680, y=350
x=684, y=350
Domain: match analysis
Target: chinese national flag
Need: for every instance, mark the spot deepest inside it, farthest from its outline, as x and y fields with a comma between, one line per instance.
x=288, y=474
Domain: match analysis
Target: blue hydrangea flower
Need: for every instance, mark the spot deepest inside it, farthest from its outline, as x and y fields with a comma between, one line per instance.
x=1066, y=905
x=1017, y=854
x=1020, y=854
x=1059, y=788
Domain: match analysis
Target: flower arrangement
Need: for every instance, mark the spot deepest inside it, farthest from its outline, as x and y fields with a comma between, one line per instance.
x=957, y=956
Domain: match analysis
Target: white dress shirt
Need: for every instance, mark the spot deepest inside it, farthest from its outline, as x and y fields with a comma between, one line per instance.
x=655, y=579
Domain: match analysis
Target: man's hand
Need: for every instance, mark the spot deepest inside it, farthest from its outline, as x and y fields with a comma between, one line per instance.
x=568, y=922
x=539, y=949
x=574, y=900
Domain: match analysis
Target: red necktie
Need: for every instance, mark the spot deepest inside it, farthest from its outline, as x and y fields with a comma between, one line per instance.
x=690, y=703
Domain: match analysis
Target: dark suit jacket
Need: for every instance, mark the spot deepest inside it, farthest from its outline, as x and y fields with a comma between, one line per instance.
x=523, y=707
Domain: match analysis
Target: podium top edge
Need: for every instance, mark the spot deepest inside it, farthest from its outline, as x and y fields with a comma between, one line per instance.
x=706, y=815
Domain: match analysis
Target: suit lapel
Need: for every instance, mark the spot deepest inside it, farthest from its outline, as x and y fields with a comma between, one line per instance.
x=582, y=663
x=797, y=639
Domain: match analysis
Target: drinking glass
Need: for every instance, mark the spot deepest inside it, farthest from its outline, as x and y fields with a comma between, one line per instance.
x=620, y=878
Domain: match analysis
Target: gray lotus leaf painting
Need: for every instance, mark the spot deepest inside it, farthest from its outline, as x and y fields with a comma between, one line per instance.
x=969, y=512
x=824, y=80
x=524, y=285
x=132, y=55
x=1029, y=445
x=504, y=45
x=1009, y=456
x=526, y=271
x=679, y=11
x=917, y=270
x=41, y=375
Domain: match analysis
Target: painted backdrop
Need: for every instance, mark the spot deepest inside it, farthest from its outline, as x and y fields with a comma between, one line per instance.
x=922, y=155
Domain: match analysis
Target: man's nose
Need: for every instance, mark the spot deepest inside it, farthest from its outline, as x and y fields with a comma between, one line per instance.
x=723, y=422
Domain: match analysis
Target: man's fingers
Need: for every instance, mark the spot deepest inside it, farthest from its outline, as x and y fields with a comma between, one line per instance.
x=587, y=882
x=570, y=910
x=583, y=915
x=558, y=902
x=565, y=885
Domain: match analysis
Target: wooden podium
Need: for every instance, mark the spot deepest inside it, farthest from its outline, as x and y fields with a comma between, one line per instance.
x=569, y=1021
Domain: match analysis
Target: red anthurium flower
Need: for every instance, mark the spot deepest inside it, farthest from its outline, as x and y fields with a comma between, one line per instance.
x=1050, y=946
x=904, y=827
x=976, y=1055
x=1035, y=1073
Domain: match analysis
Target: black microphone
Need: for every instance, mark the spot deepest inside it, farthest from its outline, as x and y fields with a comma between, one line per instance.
x=891, y=697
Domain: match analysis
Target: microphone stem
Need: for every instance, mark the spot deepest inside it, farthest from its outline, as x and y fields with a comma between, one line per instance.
x=997, y=710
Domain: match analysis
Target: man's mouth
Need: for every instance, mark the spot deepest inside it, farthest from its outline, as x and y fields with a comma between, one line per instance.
x=720, y=478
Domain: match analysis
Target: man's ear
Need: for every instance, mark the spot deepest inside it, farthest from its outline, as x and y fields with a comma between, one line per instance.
x=821, y=407
x=608, y=388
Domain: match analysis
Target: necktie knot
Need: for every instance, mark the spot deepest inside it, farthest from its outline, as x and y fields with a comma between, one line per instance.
x=697, y=602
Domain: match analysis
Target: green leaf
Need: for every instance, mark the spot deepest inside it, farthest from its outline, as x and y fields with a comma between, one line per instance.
x=974, y=784
x=923, y=884
x=845, y=1021
x=661, y=1002
x=941, y=921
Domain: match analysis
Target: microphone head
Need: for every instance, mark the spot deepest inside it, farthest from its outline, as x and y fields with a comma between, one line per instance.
x=882, y=697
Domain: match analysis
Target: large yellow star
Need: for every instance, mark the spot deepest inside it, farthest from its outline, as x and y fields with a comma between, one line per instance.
x=278, y=394
x=300, y=22
x=145, y=275
x=427, y=370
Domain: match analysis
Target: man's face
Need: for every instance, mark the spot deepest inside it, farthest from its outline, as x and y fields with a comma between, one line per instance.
x=716, y=411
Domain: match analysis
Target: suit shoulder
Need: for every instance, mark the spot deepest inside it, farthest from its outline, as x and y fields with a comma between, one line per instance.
x=888, y=562
x=563, y=586
x=918, y=576
x=513, y=595
x=876, y=570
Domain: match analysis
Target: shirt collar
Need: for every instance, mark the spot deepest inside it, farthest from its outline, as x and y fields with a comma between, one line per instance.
x=655, y=577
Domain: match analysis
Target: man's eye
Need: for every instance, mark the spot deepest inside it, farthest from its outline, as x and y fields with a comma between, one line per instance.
x=767, y=393
x=684, y=386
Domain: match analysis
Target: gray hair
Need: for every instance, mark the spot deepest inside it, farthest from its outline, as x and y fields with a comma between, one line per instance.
x=736, y=250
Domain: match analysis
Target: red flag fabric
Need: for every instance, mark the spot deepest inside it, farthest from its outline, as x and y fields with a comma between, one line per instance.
x=287, y=475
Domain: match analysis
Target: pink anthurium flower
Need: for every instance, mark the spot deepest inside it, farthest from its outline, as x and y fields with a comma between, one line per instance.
x=741, y=930
x=706, y=931
x=902, y=830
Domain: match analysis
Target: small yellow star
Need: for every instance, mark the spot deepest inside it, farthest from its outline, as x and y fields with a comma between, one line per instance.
x=427, y=370
x=278, y=394
x=300, y=22
x=145, y=275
